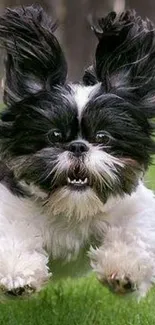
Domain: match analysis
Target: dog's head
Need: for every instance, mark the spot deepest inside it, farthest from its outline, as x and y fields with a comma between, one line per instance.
x=78, y=143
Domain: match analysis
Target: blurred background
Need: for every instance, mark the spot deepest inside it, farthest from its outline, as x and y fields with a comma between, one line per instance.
x=74, y=32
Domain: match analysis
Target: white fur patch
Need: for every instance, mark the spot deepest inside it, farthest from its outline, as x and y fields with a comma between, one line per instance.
x=82, y=95
x=102, y=165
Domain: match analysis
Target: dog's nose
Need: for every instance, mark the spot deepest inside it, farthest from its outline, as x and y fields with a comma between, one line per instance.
x=78, y=147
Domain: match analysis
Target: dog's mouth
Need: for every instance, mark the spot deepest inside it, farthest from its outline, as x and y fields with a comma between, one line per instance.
x=77, y=180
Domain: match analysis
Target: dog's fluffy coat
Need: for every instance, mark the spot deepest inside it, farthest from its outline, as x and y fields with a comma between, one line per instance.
x=74, y=155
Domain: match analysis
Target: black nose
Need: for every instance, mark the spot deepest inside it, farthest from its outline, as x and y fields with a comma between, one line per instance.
x=78, y=147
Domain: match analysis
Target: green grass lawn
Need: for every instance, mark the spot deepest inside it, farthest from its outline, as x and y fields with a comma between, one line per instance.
x=80, y=302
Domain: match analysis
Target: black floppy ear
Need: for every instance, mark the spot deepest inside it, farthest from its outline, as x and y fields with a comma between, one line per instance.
x=125, y=57
x=34, y=59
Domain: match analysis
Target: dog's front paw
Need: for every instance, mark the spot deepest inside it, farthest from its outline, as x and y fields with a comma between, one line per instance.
x=17, y=286
x=23, y=274
x=119, y=283
x=123, y=270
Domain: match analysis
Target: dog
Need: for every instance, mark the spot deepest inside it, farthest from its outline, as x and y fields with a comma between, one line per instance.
x=74, y=155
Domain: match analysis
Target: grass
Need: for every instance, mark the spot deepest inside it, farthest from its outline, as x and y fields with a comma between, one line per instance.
x=74, y=303
x=80, y=302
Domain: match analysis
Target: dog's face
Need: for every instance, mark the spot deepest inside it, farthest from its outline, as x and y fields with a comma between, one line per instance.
x=79, y=144
x=76, y=142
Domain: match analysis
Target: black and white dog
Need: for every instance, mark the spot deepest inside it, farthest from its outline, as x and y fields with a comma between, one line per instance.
x=74, y=155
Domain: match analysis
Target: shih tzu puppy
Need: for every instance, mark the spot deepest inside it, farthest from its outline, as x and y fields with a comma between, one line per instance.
x=74, y=155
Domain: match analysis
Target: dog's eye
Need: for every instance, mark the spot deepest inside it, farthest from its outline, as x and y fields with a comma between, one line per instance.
x=103, y=137
x=54, y=135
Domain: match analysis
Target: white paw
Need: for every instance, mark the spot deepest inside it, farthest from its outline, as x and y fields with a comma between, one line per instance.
x=24, y=274
x=123, y=270
x=17, y=286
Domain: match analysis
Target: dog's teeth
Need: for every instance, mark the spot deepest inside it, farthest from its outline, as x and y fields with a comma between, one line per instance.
x=82, y=182
x=74, y=181
x=77, y=181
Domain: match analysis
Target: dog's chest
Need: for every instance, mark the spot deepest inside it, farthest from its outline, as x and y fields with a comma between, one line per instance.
x=68, y=239
x=68, y=244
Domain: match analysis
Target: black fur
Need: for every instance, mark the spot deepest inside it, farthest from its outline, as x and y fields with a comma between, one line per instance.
x=34, y=57
x=125, y=65
x=29, y=122
x=8, y=179
x=40, y=102
x=126, y=49
x=130, y=132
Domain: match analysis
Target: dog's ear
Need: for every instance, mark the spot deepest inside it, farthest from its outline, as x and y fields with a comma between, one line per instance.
x=34, y=59
x=125, y=57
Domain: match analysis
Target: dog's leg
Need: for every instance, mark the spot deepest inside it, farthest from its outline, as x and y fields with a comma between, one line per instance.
x=124, y=267
x=24, y=273
x=126, y=259
x=23, y=261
